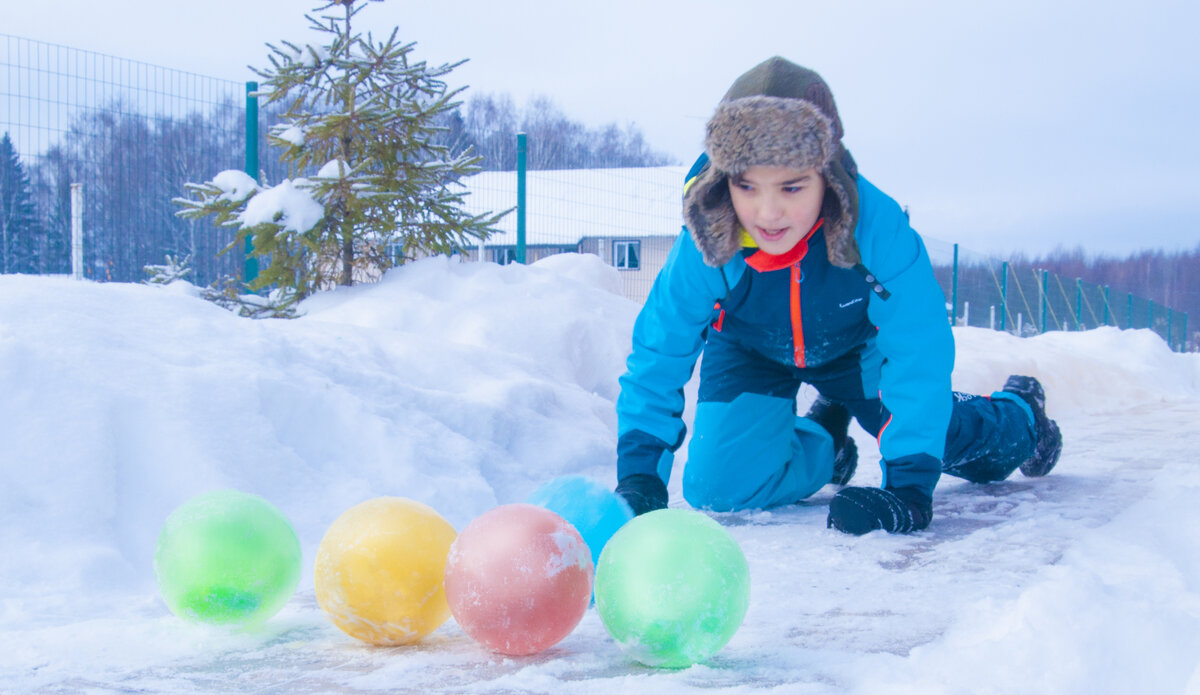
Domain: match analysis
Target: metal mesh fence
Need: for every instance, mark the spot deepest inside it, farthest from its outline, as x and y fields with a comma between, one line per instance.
x=132, y=134
x=1024, y=300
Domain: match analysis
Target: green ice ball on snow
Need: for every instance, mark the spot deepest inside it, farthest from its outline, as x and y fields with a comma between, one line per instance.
x=672, y=588
x=227, y=558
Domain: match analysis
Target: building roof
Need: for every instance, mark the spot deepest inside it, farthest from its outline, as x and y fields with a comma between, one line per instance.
x=564, y=206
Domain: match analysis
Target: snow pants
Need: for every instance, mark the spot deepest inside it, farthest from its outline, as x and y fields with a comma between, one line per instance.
x=750, y=449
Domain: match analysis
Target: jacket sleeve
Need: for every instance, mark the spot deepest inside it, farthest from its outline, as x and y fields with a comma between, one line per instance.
x=667, y=339
x=915, y=340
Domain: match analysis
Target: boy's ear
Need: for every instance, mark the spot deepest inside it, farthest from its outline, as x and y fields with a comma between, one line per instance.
x=710, y=217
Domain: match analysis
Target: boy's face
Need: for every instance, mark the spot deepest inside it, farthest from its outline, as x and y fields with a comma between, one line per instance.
x=777, y=205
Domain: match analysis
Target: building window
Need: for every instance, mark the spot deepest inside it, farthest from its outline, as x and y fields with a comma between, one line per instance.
x=627, y=255
x=504, y=255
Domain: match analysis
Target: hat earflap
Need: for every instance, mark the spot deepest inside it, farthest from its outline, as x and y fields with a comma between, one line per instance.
x=841, y=210
x=710, y=217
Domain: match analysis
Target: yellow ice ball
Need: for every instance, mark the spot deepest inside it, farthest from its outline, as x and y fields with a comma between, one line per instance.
x=380, y=568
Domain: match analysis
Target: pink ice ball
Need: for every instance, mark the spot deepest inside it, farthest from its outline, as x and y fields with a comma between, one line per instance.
x=518, y=579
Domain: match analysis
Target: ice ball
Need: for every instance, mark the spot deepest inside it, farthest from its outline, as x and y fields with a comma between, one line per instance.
x=519, y=579
x=379, y=571
x=227, y=558
x=672, y=588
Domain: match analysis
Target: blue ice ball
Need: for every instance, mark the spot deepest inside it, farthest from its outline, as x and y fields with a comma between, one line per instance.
x=593, y=509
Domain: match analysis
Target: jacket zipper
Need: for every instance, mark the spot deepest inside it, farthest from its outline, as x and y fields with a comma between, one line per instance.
x=797, y=319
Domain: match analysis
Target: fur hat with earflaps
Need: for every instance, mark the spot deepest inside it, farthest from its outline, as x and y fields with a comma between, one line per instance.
x=777, y=114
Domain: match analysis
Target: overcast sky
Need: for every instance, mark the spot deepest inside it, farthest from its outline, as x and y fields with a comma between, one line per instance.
x=1003, y=125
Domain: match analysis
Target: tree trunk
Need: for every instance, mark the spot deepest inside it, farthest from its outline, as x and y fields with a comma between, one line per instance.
x=347, y=259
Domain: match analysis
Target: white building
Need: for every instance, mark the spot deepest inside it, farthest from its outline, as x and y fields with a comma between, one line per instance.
x=628, y=217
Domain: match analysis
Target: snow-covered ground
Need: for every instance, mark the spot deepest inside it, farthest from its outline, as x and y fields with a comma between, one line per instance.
x=467, y=385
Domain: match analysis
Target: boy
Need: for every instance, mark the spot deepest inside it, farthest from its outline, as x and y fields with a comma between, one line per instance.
x=794, y=269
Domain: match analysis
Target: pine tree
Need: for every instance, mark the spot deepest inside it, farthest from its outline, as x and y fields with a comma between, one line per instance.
x=20, y=236
x=363, y=115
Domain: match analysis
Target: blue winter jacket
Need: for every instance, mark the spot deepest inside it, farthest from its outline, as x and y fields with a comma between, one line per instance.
x=838, y=312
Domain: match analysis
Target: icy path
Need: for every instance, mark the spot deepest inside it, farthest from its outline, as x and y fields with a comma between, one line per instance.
x=1021, y=586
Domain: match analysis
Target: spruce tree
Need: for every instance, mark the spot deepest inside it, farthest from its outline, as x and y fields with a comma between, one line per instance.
x=20, y=235
x=360, y=138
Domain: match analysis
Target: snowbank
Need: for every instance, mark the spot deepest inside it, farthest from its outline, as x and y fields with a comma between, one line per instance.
x=467, y=385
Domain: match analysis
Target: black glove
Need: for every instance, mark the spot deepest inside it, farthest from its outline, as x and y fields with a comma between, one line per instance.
x=644, y=492
x=860, y=510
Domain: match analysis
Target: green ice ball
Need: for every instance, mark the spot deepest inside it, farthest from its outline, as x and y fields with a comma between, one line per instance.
x=672, y=588
x=227, y=558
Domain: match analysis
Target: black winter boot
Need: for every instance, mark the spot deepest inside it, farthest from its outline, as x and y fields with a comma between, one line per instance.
x=845, y=462
x=835, y=419
x=1049, y=438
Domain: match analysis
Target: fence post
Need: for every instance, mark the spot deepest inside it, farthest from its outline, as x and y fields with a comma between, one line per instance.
x=1170, y=315
x=250, y=264
x=1185, y=336
x=954, y=290
x=1003, y=294
x=77, y=231
x=1106, y=305
x=521, y=155
x=1150, y=316
x=1042, y=291
x=1130, y=310
x=1078, y=304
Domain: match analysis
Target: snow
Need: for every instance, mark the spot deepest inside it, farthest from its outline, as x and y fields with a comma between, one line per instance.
x=464, y=386
x=292, y=134
x=334, y=169
x=235, y=185
x=288, y=204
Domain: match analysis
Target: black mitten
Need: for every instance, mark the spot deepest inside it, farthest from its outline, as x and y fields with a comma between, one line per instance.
x=644, y=492
x=860, y=510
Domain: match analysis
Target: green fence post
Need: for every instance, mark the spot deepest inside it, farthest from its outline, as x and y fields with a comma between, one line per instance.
x=1079, y=304
x=1106, y=305
x=250, y=264
x=1042, y=290
x=1003, y=294
x=1131, y=310
x=1185, y=337
x=1150, y=316
x=954, y=290
x=1170, y=315
x=521, y=155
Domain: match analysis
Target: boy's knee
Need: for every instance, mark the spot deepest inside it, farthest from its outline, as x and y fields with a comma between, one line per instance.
x=711, y=495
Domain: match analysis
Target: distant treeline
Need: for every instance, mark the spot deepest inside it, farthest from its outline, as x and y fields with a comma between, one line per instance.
x=489, y=125
x=133, y=165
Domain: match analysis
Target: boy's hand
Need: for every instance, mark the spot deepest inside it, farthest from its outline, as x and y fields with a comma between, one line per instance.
x=860, y=510
x=644, y=492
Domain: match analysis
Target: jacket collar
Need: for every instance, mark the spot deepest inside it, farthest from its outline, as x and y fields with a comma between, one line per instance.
x=763, y=262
